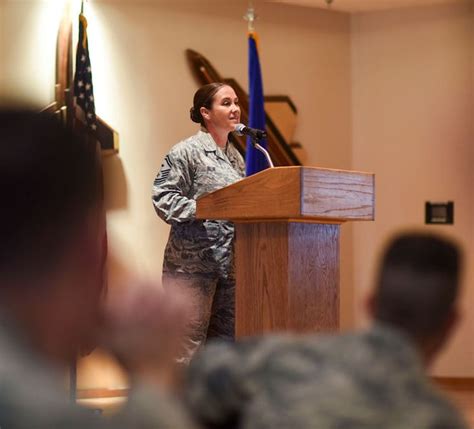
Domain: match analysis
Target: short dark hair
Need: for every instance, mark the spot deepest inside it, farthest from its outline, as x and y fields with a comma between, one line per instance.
x=48, y=181
x=418, y=284
x=204, y=97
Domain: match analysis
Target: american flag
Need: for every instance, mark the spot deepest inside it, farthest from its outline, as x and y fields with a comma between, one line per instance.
x=83, y=89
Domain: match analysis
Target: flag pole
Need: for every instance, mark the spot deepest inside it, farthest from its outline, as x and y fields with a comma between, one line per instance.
x=254, y=161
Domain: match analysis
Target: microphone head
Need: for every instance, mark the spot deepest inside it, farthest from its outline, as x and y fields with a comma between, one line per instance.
x=239, y=129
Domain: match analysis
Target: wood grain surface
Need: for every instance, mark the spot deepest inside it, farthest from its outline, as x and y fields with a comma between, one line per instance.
x=309, y=193
x=337, y=194
x=272, y=193
x=287, y=277
x=313, y=277
x=262, y=278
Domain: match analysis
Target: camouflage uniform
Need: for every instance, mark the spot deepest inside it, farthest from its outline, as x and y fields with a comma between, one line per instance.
x=32, y=396
x=199, y=253
x=368, y=380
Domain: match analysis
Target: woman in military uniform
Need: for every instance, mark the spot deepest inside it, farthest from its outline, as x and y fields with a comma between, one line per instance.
x=199, y=254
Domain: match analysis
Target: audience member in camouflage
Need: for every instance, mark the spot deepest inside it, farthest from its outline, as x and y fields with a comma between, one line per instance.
x=51, y=289
x=33, y=393
x=373, y=379
x=199, y=254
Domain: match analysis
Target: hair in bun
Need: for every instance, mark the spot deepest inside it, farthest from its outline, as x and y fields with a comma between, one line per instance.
x=204, y=97
x=195, y=116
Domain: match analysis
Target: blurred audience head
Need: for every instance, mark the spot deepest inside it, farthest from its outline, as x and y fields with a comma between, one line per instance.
x=51, y=229
x=417, y=288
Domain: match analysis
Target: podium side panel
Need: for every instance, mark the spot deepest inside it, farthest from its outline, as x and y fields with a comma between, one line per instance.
x=337, y=194
x=313, y=286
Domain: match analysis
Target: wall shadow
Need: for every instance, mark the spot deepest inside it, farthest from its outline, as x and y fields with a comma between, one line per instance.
x=115, y=183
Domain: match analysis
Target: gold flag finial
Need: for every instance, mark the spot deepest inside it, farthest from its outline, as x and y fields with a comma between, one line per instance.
x=250, y=17
x=83, y=20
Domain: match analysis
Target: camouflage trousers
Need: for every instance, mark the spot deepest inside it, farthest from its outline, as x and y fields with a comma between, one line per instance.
x=212, y=309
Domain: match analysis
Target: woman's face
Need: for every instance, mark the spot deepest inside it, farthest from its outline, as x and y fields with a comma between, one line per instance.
x=225, y=111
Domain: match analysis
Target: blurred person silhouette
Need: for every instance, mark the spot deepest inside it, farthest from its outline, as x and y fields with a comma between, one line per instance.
x=370, y=379
x=51, y=297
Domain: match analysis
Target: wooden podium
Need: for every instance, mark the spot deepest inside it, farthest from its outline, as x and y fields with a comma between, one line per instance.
x=287, y=243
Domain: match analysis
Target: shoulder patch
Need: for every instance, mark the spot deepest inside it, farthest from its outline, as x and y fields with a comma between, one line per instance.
x=164, y=171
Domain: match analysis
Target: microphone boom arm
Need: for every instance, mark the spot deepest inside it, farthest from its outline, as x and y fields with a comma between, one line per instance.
x=263, y=150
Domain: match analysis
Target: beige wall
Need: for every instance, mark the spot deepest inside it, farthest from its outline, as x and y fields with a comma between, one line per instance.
x=398, y=102
x=413, y=106
x=2, y=48
x=28, y=32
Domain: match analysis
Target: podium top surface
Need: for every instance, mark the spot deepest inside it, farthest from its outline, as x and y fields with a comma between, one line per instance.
x=307, y=194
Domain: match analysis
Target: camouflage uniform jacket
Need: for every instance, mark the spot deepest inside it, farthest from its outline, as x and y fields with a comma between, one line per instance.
x=33, y=395
x=194, y=167
x=357, y=381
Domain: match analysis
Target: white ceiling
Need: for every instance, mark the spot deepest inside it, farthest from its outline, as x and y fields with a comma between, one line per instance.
x=354, y=6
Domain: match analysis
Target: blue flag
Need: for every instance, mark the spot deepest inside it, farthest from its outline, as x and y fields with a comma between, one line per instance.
x=254, y=160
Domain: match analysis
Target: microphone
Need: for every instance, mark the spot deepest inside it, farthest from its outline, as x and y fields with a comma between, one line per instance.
x=256, y=134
